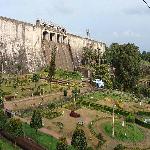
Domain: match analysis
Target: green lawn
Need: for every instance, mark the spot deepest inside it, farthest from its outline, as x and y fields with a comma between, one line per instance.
x=43, y=139
x=111, y=94
x=129, y=133
x=6, y=145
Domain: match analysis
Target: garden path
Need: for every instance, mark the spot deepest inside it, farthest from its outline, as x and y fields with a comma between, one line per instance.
x=36, y=100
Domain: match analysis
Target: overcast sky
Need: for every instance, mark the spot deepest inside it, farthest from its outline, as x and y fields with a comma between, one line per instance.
x=109, y=21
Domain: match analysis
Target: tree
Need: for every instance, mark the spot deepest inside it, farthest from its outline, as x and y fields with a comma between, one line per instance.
x=35, y=78
x=52, y=67
x=62, y=144
x=3, y=119
x=145, y=56
x=14, y=127
x=36, y=120
x=51, y=106
x=79, y=140
x=91, y=56
x=125, y=60
x=1, y=98
x=102, y=72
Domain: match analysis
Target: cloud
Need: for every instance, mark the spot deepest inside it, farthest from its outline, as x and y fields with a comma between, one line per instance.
x=127, y=34
x=142, y=10
x=64, y=7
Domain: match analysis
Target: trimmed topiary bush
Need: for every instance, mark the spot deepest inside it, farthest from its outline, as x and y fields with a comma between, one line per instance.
x=130, y=118
x=119, y=147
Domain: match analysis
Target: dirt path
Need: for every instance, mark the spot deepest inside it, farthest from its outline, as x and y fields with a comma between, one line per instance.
x=54, y=134
x=36, y=100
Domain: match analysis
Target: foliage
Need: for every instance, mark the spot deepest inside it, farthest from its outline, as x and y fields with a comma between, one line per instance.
x=62, y=144
x=130, y=118
x=52, y=67
x=3, y=119
x=102, y=72
x=36, y=120
x=65, y=92
x=90, y=56
x=145, y=56
x=119, y=147
x=144, y=68
x=1, y=93
x=70, y=75
x=126, y=61
x=141, y=123
x=6, y=145
x=45, y=140
x=79, y=140
x=90, y=148
x=128, y=133
x=14, y=127
x=51, y=106
x=101, y=140
x=75, y=92
x=35, y=78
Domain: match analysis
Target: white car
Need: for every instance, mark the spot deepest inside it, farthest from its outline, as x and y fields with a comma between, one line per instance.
x=99, y=83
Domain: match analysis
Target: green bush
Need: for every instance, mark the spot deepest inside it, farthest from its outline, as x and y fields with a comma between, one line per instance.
x=130, y=118
x=119, y=147
x=141, y=123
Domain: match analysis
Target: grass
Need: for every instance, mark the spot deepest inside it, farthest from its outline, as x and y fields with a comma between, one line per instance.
x=25, y=89
x=43, y=139
x=6, y=145
x=128, y=133
x=69, y=75
x=114, y=95
x=27, y=92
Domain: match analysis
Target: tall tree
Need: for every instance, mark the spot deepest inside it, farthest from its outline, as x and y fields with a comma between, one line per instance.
x=14, y=127
x=126, y=61
x=62, y=144
x=52, y=67
x=36, y=120
x=35, y=78
x=79, y=140
x=3, y=119
x=103, y=72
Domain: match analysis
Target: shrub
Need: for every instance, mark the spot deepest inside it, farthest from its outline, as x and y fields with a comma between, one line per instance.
x=119, y=147
x=65, y=92
x=130, y=118
x=51, y=106
x=79, y=140
x=62, y=144
x=89, y=148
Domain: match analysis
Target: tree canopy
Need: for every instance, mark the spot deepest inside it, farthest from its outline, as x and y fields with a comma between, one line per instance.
x=14, y=127
x=36, y=120
x=125, y=59
x=79, y=140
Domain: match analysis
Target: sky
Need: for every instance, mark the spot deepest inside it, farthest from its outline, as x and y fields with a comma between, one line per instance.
x=109, y=21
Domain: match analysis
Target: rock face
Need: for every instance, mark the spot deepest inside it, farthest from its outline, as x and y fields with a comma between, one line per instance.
x=27, y=47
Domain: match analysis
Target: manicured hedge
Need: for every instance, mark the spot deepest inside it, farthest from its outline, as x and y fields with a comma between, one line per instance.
x=116, y=111
x=141, y=123
x=23, y=142
x=143, y=113
x=103, y=108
